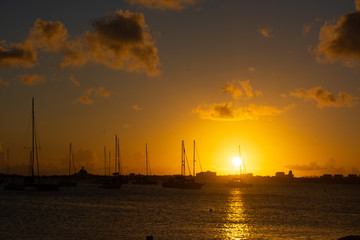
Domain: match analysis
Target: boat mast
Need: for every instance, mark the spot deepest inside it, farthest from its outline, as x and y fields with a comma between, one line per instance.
x=146, y=158
x=70, y=160
x=104, y=160
x=194, y=161
x=118, y=157
x=115, y=154
x=32, y=154
x=182, y=158
x=8, y=161
x=33, y=146
x=109, y=163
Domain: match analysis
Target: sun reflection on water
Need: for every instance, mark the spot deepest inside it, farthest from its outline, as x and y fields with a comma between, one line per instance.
x=236, y=223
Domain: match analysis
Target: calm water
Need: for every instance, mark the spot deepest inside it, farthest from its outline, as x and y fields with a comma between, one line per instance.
x=304, y=211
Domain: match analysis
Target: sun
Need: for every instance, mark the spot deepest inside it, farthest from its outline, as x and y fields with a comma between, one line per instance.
x=237, y=161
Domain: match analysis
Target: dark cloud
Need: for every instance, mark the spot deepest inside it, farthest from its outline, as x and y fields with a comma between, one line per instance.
x=122, y=41
x=324, y=98
x=19, y=55
x=340, y=40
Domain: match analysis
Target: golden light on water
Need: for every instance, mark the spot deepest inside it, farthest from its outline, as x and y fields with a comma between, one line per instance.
x=236, y=226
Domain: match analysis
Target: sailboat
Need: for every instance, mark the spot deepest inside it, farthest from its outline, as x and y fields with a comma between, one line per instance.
x=69, y=182
x=30, y=181
x=240, y=181
x=144, y=180
x=181, y=181
x=115, y=181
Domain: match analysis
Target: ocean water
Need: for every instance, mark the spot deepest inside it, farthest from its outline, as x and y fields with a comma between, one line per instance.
x=269, y=211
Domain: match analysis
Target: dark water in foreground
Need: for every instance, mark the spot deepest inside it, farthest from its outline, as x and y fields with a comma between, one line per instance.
x=294, y=211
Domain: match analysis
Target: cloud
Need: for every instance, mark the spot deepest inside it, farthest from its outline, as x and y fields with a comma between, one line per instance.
x=18, y=55
x=84, y=100
x=74, y=80
x=32, y=79
x=99, y=91
x=306, y=29
x=340, y=41
x=357, y=5
x=164, y=4
x=324, y=98
x=53, y=37
x=237, y=92
x=248, y=89
x=233, y=90
x=225, y=112
x=136, y=107
x=3, y=83
x=266, y=32
x=122, y=41
x=251, y=69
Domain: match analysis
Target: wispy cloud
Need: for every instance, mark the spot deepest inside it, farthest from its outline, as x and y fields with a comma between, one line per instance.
x=233, y=90
x=3, y=83
x=266, y=32
x=306, y=29
x=225, y=112
x=245, y=89
x=99, y=91
x=251, y=69
x=136, y=107
x=323, y=98
x=32, y=79
x=74, y=80
x=84, y=100
x=120, y=41
x=164, y=4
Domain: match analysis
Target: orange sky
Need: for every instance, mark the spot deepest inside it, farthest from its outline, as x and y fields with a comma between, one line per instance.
x=278, y=78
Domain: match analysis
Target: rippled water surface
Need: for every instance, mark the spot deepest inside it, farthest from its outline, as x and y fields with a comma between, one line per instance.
x=294, y=211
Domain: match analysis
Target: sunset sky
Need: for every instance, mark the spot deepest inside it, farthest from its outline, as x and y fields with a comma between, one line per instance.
x=279, y=78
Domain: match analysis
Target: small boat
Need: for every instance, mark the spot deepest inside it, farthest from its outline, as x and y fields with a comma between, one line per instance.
x=182, y=181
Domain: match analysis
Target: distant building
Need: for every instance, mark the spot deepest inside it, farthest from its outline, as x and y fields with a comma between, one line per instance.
x=280, y=174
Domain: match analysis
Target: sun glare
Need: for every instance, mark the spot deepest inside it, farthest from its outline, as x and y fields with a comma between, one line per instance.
x=237, y=161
